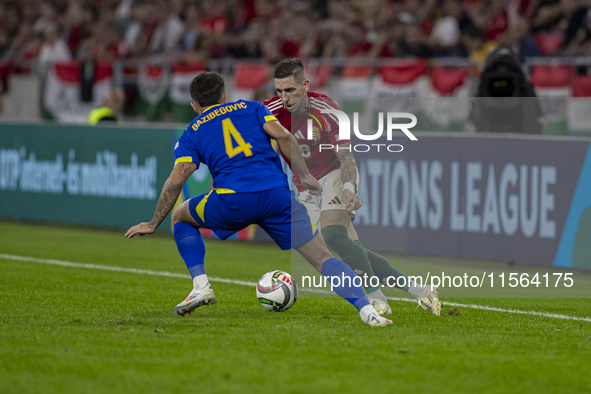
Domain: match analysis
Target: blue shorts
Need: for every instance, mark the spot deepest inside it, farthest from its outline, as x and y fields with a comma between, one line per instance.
x=277, y=211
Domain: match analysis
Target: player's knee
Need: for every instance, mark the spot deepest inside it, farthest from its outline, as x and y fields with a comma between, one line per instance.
x=335, y=237
x=175, y=217
x=179, y=214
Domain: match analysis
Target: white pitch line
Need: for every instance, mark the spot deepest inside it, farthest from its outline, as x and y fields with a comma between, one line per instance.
x=62, y=263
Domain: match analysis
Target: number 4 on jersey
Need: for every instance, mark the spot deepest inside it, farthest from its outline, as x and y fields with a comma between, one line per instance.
x=230, y=133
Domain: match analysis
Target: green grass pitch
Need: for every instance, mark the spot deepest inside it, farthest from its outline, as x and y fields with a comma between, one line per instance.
x=75, y=330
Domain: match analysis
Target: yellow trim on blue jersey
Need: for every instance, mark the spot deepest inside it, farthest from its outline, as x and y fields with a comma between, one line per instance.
x=184, y=159
x=269, y=118
x=312, y=223
x=208, y=108
x=201, y=206
x=221, y=190
x=275, y=146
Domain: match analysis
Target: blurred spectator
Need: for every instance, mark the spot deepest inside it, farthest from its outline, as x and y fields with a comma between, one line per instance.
x=266, y=29
x=475, y=45
x=142, y=26
x=25, y=47
x=9, y=19
x=446, y=31
x=499, y=22
x=386, y=43
x=47, y=20
x=213, y=21
x=575, y=16
x=168, y=33
x=545, y=16
x=270, y=49
x=414, y=43
x=358, y=45
x=261, y=94
x=337, y=47
x=413, y=11
x=445, y=35
x=110, y=110
x=73, y=24
x=123, y=14
x=53, y=48
x=249, y=44
x=4, y=46
x=520, y=39
x=104, y=43
x=192, y=30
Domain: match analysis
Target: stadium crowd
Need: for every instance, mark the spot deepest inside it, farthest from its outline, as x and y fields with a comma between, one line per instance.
x=271, y=30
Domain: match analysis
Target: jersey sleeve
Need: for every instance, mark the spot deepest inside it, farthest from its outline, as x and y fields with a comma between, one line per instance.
x=185, y=150
x=274, y=105
x=263, y=113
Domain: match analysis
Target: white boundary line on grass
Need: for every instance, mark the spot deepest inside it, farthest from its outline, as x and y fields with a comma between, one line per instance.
x=245, y=283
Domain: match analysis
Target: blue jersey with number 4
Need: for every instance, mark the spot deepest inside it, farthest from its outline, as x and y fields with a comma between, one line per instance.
x=230, y=140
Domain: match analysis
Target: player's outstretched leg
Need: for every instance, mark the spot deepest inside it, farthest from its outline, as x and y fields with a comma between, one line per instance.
x=338, y=239
x=427, y=297
x=316, y=253
x=192, y=249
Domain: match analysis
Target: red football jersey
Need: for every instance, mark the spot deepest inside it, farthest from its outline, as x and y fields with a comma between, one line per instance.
x=326, y=131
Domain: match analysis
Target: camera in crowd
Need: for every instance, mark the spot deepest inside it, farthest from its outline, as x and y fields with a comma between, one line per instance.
x=505, y=100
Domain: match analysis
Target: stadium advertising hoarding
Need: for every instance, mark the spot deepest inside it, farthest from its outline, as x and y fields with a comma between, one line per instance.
x=508, y=198
x=488, y=197
x=503, y=196
x=103, y=176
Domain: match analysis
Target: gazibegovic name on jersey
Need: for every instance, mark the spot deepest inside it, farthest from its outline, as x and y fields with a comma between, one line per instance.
x=243, y=164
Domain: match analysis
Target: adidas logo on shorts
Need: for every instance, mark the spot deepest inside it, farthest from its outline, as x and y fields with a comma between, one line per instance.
x=335, y=201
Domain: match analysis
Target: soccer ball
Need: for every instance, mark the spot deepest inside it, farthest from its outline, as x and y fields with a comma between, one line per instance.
x=277, y=291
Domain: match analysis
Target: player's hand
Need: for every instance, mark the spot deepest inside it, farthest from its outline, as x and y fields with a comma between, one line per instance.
x=310, y=183
x=141, y=229
x=350, y=200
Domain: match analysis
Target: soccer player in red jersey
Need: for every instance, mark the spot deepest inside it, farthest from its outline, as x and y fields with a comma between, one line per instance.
x=336, y=171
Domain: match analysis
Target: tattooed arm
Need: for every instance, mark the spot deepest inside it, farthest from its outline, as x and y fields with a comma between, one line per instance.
x=169, y=196
x=348, y=175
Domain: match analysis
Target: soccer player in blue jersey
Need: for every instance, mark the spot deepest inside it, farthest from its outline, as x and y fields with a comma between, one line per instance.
x=233, y=140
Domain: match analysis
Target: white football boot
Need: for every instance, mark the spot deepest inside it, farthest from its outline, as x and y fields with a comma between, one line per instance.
x=383, y=308
x=375, y=320
x=429, y=300
x=197, y=298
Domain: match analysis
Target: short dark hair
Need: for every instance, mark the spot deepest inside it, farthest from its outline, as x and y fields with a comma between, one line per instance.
x=207, y=88
x=290, y=68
